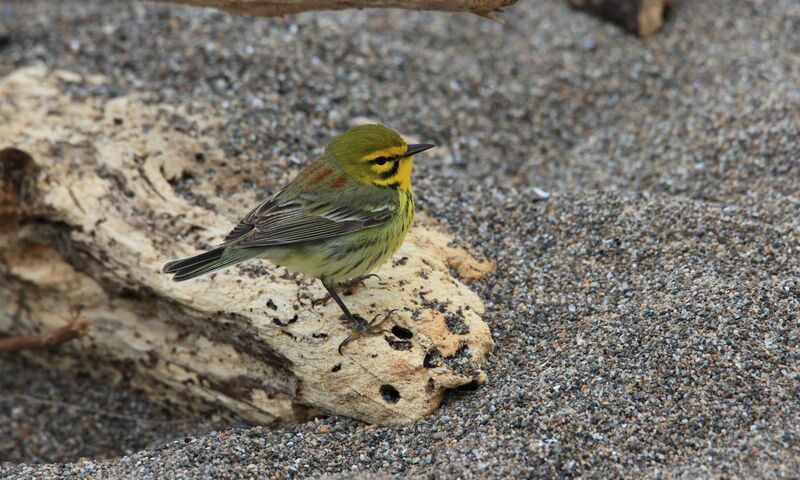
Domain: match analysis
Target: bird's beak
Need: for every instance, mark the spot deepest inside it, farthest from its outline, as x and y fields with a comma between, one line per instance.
x=417, y=148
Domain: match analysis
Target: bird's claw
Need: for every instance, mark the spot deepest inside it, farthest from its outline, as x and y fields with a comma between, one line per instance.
x=360, y=280
x=362, y=328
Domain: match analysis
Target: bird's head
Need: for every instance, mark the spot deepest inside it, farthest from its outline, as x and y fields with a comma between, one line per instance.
x=376, y=155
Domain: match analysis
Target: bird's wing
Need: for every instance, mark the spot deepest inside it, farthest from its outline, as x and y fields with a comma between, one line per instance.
x=247, y=223
x=307, y=216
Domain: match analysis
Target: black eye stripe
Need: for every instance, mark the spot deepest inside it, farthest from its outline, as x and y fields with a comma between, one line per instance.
x=391, y=172
x=379, y=161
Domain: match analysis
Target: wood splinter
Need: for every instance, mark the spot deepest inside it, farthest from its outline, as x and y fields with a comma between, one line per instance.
x=641, y=17
x=75, y=329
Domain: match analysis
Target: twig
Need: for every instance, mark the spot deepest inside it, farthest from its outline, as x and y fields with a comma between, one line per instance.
x=274, y=8
x=75, y=329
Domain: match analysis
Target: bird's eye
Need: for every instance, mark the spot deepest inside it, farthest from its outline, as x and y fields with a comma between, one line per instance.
x=380, y=161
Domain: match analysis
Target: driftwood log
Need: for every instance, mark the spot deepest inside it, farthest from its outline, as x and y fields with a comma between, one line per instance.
x=88, y=215
x=274, y=8
x=641, y=17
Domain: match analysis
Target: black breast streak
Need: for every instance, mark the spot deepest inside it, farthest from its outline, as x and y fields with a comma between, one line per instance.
x=339, y=271
x=351, y=249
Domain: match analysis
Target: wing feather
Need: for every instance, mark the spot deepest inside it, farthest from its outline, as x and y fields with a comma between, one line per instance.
x=309, y=217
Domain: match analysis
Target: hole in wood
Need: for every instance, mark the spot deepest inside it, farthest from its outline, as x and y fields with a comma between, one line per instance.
x=468, y=387
x=390, y=394
x=15, y=175
x=401, y=332
x=432, y=359
x=397, y=344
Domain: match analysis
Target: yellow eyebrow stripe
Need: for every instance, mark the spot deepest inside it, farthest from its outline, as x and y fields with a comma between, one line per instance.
x=389, y=152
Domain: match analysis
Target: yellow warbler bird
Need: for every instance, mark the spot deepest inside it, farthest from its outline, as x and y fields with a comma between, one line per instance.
x=339, y=219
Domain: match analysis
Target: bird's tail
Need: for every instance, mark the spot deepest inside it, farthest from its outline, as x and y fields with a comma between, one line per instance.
x=207, y=262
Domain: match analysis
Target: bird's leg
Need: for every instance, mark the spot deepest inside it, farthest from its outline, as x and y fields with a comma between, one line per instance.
x=352, y=283
x=361, y=327
x=356, y=321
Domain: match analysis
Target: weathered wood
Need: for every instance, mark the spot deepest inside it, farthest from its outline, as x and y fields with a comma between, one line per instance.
x=274, y=8
x=88, y=215
x=642, y=17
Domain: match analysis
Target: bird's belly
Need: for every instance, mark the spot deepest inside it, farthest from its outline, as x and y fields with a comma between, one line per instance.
x=346, y=257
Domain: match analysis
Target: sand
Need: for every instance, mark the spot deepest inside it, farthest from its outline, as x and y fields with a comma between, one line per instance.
x=646, y=313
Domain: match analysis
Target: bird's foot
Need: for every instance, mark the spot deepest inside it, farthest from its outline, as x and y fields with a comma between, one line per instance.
x=363, y=328
x=359, y=282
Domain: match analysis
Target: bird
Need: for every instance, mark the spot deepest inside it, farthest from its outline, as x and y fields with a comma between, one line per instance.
x=340, y=218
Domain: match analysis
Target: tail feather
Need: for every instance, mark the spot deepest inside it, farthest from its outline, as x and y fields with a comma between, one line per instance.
x=202, y=264
x=205, y=257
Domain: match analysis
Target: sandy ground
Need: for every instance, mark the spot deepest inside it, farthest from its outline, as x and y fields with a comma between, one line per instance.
x=647, y=314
